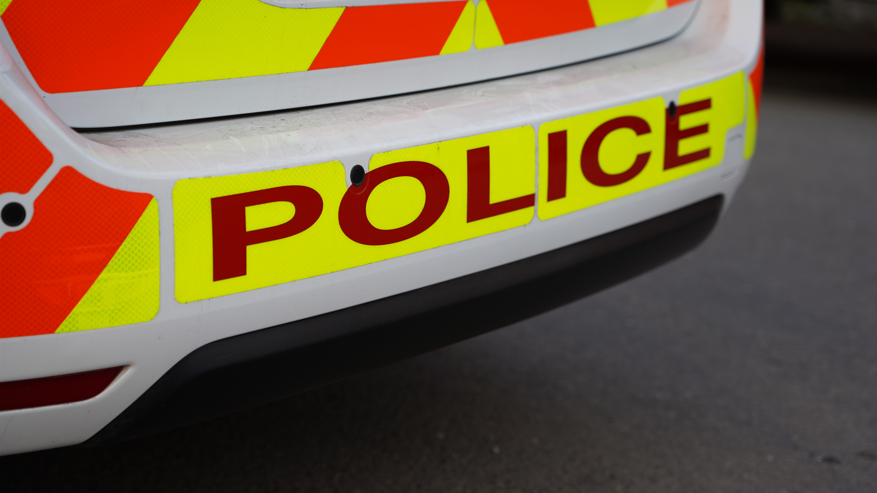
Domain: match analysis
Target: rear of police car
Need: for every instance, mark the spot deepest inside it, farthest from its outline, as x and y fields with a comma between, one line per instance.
x=212, y=204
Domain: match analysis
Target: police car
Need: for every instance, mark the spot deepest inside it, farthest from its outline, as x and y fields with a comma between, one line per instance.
x=210, y=204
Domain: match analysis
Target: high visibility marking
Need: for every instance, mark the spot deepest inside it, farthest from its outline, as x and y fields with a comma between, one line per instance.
x=460, y=39
x=610, y=11
x=487, y=33
x=77, y=228
x=753, y=106
x=524, y=20
x=98, y=44
x=106, y=44
x=227, y=39
x=23, y=158
x=384, y=33
x=628, y=155
x=3, y=5
x=418, y=201
x=127, y=290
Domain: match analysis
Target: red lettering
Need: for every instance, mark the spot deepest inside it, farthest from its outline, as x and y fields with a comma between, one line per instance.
x=557, y=165
x=230, y=235
x=672, y=158
x=478, y=195
x=591, y=152
x=352, y=215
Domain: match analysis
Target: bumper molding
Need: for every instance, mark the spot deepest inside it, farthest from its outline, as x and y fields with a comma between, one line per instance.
x=265, y=365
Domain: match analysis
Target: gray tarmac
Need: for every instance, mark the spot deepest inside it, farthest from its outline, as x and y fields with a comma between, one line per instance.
x=749, y=365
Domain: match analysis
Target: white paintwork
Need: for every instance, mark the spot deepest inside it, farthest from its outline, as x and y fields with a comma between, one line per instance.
x=723, y=38
x=176, y=102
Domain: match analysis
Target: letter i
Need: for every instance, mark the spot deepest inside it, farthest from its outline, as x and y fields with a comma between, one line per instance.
x=557, y=163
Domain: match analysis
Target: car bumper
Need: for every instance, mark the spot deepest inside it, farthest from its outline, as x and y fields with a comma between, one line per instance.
x=309, y=331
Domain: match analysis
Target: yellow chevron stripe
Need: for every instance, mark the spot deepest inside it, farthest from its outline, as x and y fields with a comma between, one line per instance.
x=751, y=122
x=460, y=39
x=486, y=31
x=127, y=291
x=609, y=11
x=227, y=39
x=4, y=4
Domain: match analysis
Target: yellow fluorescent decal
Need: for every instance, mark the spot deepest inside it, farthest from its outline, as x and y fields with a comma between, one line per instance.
x=127, y=291
x=486, y=31
x=3, y=5
x=460, y=39
x=232, y=236
x=597, y=157
x=226, y=39
x=751, y=122
x=609, y=11
x=243, y=232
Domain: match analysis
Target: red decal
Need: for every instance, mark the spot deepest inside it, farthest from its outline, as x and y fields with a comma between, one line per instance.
x=591, y=152
x=478, y=195
x=557, y=158
x=230, y=235
x=382, y=33
x=757, y=77
x=23, y=158
x=98, y=44
x=77, y=227
x=523, y=20
x=352, y=213
x=672, y=158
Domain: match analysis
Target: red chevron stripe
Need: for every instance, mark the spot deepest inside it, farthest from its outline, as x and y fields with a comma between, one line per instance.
x=388, y=32
x=98, y=44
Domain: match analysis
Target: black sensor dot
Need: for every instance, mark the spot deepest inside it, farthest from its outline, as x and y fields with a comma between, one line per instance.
x=672, y=109
x=357, y=175
x=13, y=214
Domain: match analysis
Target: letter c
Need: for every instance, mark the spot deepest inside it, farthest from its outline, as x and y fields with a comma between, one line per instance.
x=591, y=152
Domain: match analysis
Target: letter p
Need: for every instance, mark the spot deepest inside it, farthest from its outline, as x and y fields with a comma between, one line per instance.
x=230, y=235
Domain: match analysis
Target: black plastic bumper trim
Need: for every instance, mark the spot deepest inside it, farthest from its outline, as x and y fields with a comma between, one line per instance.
x=265, y=365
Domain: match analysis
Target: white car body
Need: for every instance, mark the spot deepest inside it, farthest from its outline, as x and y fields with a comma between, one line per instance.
x=717, y=40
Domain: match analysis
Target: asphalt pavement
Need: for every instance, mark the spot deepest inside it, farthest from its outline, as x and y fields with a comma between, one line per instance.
x=749, y=365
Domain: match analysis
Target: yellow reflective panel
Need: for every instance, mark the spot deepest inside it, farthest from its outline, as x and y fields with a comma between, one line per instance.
x=609, y=11
x=617, y=153
x=727, y=109
x=225, y=39
x=593, y=158
x=504, y=161
x=751, y=122
x=127, y=291
x=486, y=31
x=460, y=39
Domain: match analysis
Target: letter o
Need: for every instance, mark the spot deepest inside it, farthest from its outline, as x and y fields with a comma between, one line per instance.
x=352, y=213
x=591, y=152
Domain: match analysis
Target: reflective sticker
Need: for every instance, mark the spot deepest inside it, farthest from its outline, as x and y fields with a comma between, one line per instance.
x=523, y=20
x=753, y=107
x=106, y=44
x=23, y=158
x=486, y=31
x=127, y=290
x=609, y=11
x=460, y=39
x=226, y=39
x=383, y=33
x=98, y=44
x=49, y=266
x=242, y=232
x=597, y=157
